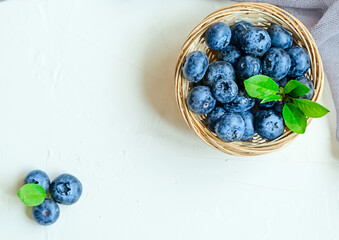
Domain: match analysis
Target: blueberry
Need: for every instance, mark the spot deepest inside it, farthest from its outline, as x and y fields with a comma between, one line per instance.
x=230, y=127
x=66, y=189
x=46, y=213
x=238, y=29
x=38, y=177
x=230, y=54
x=276, y=63
x=249, y=125
x=269, y=124
x=265, y=105
x=282, y=82
x=309, y=84
x=278, y=107
x=213, y=117
x=200, y=100
x=225, y=90
x=195, y=66
x=280, y=37
x=219, y=70
x=218, y=36
x=300, y=61
x=255, y=41
x=241, y=103
x=247, y=67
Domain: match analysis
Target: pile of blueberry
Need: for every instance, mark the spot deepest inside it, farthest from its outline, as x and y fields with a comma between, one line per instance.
x=217, y=88
x=65, y=189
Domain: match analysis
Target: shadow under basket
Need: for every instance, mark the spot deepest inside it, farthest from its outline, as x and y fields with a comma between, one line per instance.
x=260, y=15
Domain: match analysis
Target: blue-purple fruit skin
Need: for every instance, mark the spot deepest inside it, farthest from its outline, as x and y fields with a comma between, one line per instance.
x=218, y=36
x=269, y=124
x=238, y=29
x=38, y=177
x=213, y=117
x=300, y=61
x=218, y=70
x=241, y=103
x=265, y=105
x=200, y=100
x=195, y=66
x=249, y=126
x=229, y=54
x=46, y=213
x=66, y=189
x=225, y=90
x=230, y=127
x=309, y=84
x=282, y=82
x=255, y=41
x=247, y=67
x=276, y=63
x=280, y=37
x=278, y=107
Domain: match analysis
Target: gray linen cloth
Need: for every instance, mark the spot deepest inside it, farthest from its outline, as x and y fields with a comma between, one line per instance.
x=321, y=17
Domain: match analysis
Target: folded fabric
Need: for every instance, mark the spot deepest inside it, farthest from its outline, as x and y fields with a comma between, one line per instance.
x=321, y=17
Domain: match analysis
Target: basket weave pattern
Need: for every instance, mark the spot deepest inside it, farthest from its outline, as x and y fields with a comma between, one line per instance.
x=261, y=15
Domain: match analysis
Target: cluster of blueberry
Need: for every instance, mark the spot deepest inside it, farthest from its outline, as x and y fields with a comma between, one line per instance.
x=65, y=189
x=217, y=88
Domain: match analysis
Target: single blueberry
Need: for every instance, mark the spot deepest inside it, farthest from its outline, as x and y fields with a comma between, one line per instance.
x=269, y=124
x=218, y=36
x=225, y=90
x=300, y=61
x=230, y=54
x=238, y=29
x=241, y=103
x=46, y=213
x=280, y=37
x=213, y=117
x=247, y=67
x=230, y=127
x=282, y=82
x=66, y=189
x=38, y=177
x=276, y=63
x=200, y=100
x=195, y=66
x=278, y=107
x=309, y=84
x=249, y=125
x=265, y=105
x=218, y=70
x=255, y=41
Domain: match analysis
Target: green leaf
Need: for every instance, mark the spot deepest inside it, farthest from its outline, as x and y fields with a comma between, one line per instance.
x=32, y=194
x=295, y=88
x=260, y=86
x=310, y=108
x=271, y=98
x=294, y=118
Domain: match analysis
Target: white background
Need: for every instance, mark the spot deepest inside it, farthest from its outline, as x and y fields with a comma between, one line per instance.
x=86, y=87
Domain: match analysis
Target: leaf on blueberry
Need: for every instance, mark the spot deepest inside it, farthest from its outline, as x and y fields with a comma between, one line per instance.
x=261, y=86
x=310, y=108
x=295, y=111
x=294, y=118
x=271, y=98
x=296, y=89
x=32, y=194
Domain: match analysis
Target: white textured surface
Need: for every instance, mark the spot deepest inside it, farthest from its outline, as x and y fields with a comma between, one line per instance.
x=86, y=87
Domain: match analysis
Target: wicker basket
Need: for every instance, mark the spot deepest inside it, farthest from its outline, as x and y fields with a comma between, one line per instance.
x=262, y=15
